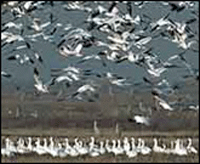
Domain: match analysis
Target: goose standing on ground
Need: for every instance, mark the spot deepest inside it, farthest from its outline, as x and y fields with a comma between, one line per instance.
x=9, y=150
x=61, y=151
x=96, y=130
x=50, y=149
x=108, y=147
x=126, y=144
x=157, y=148
x=118, y=150
x=131, y=153
x=82, y=149
x=76, y=144
x=102, y=150
x=40, y=150
x=20, y=146
x=169, y=150
x=11, y=147
x=93, y=148
x=30, y=147
x=142, y=148
x=117, y=129
x=72, y=149
x=190, y=148
x=179, y=149
x=68, y=148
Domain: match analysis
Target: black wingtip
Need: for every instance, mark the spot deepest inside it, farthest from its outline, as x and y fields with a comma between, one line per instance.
x=7, y=75
x=36, y=71
x=112, y=6
x=11, y=58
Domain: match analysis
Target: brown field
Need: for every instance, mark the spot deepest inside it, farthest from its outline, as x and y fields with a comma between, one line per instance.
x=75, y=119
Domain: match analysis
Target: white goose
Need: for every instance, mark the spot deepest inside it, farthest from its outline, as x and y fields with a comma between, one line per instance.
x=20, y=146
x=83, y=150
x=107, y=146
x=93, y=149
x=30, y=147
x=190, y=148
x=61, y=151
x=72, y=151
x=102, y=150
x=133, y=152
x=40, y=150
x=117, y=150
x=179, y=149
x=168, y=150
x=126, y=145
x=120, y=150
x=96, y=130
x=7, y=151
x=162, y=103
x=67, y=146
x=142, y=148
x=133, y=143
x=11, y=147
x=64, y=51
x=76, y=144
x=157, y=148
x=50, y=149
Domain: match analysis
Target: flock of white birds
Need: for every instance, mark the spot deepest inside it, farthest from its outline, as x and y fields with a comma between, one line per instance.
x=64, y=148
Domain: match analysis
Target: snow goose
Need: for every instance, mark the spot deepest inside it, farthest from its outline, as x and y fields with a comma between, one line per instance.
x=131, y=153
x=64, y=51
x=30, y=147
x=92, y=143
x=40, y=150
x=107, y=146
x=126, y=145
x=4, y=74
x=133, y=143
x=102, y=150
x=50, y=149
x=157, y=148
x=168, y=150
x=9, y=150
x=162, y=103
x=83, y=150
x=190, y=148
x=66, y=145
x=12, y=148
x=119, y=149
x=93, y=149
x=37, y=26
x=142, y=148
x=39, y=84
x=94, y=153
x=179, y=149
x=96, y=130
x=20, y=146
x=72, y=150
x=61, y=151
x=142, y=120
